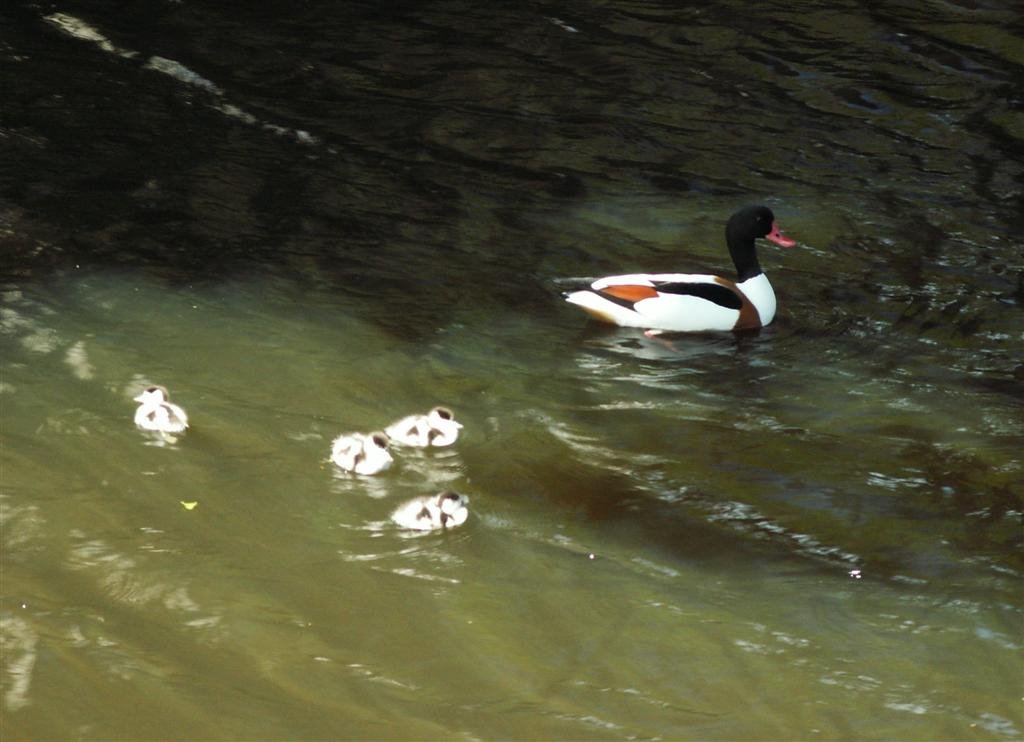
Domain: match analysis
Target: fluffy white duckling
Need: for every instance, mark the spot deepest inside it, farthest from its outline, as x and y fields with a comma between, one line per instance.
x=157, y=412
x=437, y=428
x=446, y=510
x=362, y=453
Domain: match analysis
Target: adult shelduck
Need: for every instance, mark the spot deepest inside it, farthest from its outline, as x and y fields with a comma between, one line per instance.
x=690, y=302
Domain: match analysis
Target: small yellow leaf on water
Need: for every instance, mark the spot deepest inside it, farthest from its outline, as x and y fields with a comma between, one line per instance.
x=189, y=505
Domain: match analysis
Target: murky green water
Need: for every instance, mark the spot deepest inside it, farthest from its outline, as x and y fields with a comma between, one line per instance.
x=320, y=224
x=722, y=512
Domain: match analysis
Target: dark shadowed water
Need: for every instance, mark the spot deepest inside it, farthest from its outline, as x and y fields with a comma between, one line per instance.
x=307, y=218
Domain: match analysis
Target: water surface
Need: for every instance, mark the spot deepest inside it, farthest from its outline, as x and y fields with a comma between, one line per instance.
x=310, y=220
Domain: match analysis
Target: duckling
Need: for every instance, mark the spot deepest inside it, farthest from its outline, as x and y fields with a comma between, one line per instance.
x=157, y=412
x=445, y=510
x=437, y=428
x=362, y=453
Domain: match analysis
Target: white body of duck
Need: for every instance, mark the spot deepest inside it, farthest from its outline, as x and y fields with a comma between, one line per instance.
x=157, y=412
x=690, y=302
x=437, y=428
x=445, y=510
x=362, y=453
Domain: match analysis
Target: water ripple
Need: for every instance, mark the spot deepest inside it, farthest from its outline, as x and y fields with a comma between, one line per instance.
x=18, y=640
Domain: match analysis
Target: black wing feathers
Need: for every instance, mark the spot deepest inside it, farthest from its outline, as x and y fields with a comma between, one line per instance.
x=713, y=292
